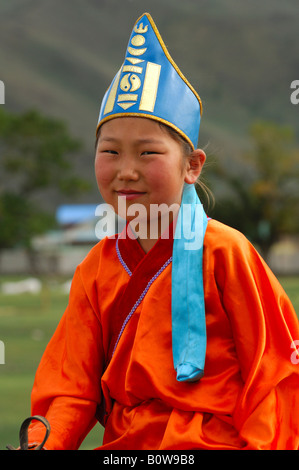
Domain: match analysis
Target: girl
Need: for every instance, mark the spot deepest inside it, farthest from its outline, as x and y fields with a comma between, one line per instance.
x=180, y=342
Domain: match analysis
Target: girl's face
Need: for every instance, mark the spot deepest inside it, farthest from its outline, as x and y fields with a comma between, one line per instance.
x=137, y=161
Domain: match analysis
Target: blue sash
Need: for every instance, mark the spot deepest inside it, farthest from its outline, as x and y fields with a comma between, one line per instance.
x=188, y=306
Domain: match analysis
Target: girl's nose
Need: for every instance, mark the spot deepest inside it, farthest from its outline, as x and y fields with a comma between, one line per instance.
x=127, y=171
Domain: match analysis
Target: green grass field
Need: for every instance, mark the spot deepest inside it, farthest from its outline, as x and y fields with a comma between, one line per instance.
x=27, y=322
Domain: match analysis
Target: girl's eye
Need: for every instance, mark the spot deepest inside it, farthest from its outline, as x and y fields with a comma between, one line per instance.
x=149, y=153
x=112, y=152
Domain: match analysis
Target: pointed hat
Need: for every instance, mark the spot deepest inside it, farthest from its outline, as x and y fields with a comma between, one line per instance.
x=149, y=84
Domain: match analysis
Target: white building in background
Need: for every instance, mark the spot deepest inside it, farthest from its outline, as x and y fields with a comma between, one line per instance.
x=80, y=227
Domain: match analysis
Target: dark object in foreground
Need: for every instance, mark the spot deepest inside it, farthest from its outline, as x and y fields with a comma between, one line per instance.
x=23, y=435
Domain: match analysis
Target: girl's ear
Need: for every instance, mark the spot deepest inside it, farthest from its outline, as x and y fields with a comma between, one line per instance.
x=196, y=161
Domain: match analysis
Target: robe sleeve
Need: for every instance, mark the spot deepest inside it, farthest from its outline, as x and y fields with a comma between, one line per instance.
x=265, y=327
x=66, y=389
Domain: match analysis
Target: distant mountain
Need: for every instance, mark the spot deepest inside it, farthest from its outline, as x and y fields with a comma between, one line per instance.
x=241, y=57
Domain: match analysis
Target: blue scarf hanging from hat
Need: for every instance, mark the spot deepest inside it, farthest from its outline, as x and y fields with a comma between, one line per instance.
x=188, y=307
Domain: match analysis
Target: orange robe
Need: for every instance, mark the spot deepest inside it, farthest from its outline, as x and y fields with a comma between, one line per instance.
x=111, y=355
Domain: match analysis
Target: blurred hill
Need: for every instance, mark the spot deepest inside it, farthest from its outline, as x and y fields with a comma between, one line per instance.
x=241, y=57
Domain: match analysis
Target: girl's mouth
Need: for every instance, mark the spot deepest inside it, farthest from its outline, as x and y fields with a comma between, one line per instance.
x=129, y=193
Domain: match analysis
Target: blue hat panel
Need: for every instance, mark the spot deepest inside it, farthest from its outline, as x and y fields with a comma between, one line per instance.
x=149, y=84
